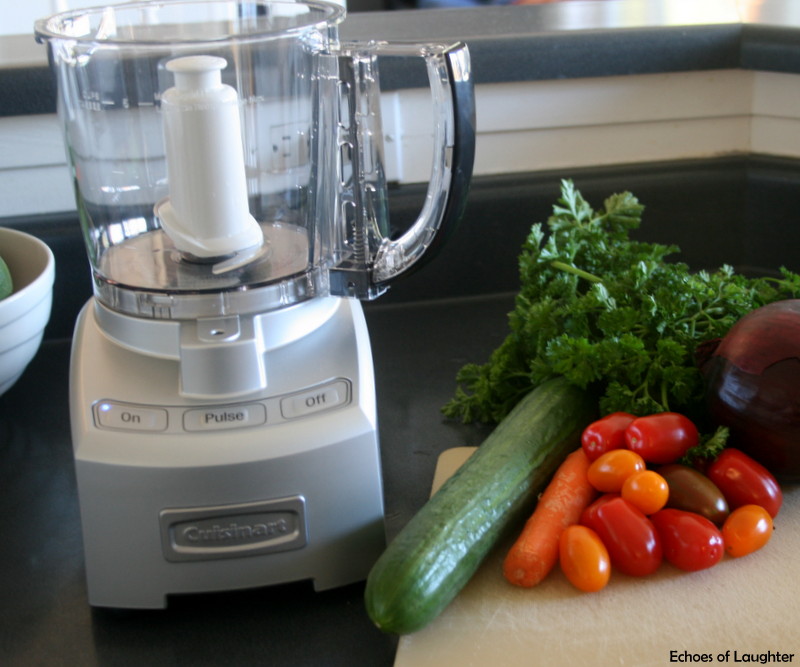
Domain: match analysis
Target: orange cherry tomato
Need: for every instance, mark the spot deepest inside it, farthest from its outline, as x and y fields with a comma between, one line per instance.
x=647, y=490
x=747, y=529
x=609, y=471
x=584, y=558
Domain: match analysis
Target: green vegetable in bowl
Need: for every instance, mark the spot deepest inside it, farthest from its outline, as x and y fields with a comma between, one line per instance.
x=6, y=286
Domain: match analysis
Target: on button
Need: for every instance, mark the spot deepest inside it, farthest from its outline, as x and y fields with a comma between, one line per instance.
x=109, y=414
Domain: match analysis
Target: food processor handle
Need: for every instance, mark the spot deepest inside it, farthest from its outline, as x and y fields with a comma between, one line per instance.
x=454, y=151
x=452, y=91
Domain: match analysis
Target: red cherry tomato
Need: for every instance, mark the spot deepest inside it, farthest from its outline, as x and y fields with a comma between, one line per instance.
x=690, y=542
x=609, y=472
x=646, y=490
x=633, y=544
x=589, y=515
x=744, y=481
x=605, y=434
x=747, y=529
x=661, y=438
x=584, y=558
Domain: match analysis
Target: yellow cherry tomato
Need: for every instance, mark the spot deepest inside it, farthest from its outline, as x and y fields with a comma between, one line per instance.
x=584, y=558
x=608, y=472
x=747, y=529
x=647, y=490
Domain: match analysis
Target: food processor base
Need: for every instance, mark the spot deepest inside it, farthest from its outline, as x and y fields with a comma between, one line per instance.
x=180, y=495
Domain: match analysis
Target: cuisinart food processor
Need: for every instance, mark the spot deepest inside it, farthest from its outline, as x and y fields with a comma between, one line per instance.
x=228, y=169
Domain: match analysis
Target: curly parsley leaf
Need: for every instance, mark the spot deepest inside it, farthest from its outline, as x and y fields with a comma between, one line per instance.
x=609, y=313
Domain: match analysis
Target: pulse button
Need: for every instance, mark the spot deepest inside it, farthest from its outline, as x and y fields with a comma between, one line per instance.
x=232, y=416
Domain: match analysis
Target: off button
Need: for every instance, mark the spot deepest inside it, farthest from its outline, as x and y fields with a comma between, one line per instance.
x=317, y=399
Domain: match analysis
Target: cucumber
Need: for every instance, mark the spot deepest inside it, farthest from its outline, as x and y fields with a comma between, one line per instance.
x=437, y=552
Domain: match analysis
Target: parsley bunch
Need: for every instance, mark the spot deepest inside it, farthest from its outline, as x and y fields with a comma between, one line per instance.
x=611, y=315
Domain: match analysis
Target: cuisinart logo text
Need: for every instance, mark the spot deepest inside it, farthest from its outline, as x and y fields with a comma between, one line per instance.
x=235, y=532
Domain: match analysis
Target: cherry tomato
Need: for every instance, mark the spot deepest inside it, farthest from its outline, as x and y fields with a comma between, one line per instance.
x=608, y=472
x=745, y=481
x=589, y=515
x=646, y=490
x=584, y=558
x=692, y=491
x=605, y=434
x=661, y=438
x=690, y=542
x=633, y=544
x=746, y=530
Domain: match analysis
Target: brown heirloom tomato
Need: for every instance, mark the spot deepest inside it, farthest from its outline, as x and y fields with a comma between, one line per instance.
x=691, y=491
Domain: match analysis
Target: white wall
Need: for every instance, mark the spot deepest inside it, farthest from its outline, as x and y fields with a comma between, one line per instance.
x=521, y=127
x=18, y=19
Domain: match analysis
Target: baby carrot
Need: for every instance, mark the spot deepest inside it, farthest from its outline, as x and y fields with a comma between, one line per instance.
x=535, y=552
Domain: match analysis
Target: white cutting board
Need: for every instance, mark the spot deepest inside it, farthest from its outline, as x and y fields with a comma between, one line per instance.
x=749, y=605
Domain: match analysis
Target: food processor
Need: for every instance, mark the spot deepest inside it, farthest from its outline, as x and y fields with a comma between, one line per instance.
x=229, y=177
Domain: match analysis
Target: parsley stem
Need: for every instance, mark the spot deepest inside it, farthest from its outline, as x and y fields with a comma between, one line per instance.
x=664, y=396
x=563, y=266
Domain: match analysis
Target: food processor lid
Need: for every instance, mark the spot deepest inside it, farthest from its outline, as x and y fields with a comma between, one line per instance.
x=254, y=19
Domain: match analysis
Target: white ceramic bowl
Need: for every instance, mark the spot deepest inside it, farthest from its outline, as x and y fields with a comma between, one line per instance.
x=25, y=312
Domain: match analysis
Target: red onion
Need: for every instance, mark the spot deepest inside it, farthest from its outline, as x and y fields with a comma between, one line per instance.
x=753, y=386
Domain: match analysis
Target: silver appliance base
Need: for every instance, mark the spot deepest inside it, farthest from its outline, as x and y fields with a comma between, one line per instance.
x=181, y=495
